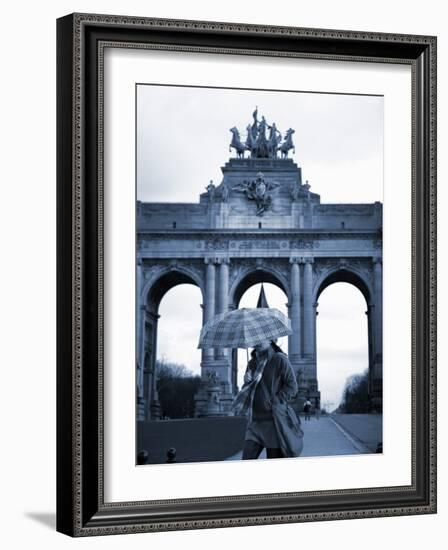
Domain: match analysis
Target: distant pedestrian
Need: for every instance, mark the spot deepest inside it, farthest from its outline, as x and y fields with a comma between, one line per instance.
x=317, y=413
x=307, y=409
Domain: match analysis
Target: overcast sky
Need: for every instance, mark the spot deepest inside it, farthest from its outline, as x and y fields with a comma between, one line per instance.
x=183, y=140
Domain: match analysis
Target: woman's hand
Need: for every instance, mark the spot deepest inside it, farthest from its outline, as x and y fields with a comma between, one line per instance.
x=247, y=376
x=279, y=398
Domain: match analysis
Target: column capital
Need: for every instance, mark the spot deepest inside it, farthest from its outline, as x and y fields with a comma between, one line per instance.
x=308, y=260
x=295, y=260
x=377, y=260
x=210, y=261
x=223, y=261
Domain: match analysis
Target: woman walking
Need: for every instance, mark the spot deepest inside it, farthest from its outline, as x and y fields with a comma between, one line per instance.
x=271, y=378
x=269, y=381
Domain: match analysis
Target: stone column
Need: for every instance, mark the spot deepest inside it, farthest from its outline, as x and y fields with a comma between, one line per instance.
x=150, y=371
x=309, y=314
x=223, y=294
x=209, y=305
x=142, y=404
x=139, y=316
x=377, y=375
x=315, y=314
x=139, y=331
x=294, y=312
x=214, y=396
x=141, y=336
x=140, y=344
x=369, y=314
x=378, y=277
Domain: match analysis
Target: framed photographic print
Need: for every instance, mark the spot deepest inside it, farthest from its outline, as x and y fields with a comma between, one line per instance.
x=246, y=274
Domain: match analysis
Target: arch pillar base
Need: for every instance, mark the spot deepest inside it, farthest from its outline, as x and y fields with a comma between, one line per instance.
x=376, y=389
x=305, y=369
x=376, y=404
x=141, y=408
x=155, y=410
x=376, y=384
x=294, y=359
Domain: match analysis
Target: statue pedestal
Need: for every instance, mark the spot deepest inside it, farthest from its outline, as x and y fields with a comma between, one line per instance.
x=213, y=403
x=213, y=400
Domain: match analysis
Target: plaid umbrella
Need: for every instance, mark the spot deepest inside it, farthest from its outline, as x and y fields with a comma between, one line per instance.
x=244, y=328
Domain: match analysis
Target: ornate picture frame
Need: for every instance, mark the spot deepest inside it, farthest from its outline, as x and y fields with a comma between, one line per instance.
x=81, y=506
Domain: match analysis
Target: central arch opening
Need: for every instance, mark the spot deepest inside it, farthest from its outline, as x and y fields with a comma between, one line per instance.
x=247, y=296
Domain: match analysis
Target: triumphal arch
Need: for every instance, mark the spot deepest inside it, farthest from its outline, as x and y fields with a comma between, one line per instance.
x=261, y=223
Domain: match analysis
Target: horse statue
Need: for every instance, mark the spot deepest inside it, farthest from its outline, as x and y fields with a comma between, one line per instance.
x=250, y=141
x=287, y=145
x=236, y=143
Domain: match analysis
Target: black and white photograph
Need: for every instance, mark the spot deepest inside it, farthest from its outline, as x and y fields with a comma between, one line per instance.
x=222, y=275
x=259, y=260
x=246, y=276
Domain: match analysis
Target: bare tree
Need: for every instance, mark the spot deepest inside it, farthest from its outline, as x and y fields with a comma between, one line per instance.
x=176, y=386
x=355, y=398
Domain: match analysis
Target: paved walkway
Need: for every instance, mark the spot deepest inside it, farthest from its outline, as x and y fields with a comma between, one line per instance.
x=367, y=428
x=323, y=437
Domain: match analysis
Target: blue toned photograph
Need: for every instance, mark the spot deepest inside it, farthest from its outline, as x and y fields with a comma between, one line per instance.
x=259, y=295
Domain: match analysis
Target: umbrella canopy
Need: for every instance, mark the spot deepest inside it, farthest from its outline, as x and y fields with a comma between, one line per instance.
x=244, y=328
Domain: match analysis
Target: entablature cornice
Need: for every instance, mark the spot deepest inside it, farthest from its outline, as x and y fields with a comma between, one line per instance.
x=257, y=233
x=196, y=244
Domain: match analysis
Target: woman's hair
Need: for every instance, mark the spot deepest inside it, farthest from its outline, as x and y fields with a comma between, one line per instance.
x=275, y=347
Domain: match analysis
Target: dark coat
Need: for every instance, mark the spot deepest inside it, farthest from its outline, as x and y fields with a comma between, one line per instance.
x=283, y=384
x=282, y=389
